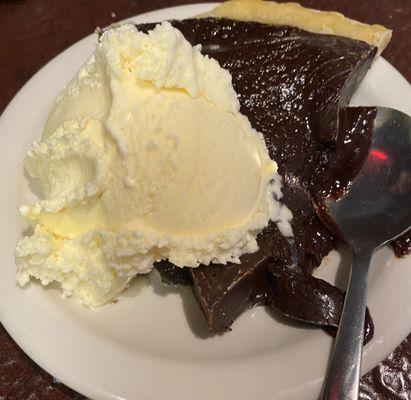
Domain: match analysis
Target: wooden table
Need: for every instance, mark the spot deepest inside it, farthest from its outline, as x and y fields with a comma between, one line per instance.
x=34, y=31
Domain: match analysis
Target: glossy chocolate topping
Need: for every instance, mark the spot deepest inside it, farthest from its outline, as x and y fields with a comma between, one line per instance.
x=292, y=85
x=302, y=297
x=402, y=246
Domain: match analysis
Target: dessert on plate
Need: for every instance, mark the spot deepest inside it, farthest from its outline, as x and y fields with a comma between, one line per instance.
x=201, y=147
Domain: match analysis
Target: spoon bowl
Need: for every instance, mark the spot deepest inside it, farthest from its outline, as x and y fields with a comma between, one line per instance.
x=376, y=208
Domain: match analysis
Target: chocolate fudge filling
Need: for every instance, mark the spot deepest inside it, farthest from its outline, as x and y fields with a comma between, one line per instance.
x=293, y=86
x=304, y=298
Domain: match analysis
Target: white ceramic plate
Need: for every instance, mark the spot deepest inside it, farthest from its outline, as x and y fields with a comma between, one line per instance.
x=153, y=344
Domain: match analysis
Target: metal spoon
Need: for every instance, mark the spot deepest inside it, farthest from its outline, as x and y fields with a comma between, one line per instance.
x=375, y=209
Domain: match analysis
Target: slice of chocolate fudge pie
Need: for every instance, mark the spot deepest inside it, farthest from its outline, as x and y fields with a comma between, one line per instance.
x=294, y=70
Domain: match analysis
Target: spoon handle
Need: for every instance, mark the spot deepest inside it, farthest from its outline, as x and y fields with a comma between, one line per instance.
x=343, y=374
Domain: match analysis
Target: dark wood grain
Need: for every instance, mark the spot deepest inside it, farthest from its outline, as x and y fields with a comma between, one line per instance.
x=34, y=31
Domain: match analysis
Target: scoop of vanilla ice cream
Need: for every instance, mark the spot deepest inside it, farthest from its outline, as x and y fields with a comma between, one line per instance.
x=145, y=157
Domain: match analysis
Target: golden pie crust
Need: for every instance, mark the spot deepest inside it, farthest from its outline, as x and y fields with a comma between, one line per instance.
x=293, y=14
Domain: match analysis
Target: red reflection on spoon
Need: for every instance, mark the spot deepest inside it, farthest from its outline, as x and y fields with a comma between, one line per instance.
x=378, y=154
